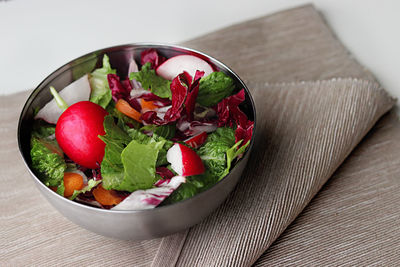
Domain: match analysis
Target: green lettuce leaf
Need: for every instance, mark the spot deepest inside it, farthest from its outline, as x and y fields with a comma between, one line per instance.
x=139, y=162
x=125, y=147
x=42, y=129
x=231, y=154
x=213, y=88
x=61, y=189
x=213, y=152
x=166, y=131
x=149, y=79
x=223, y=134
x=101, y=93
x=122, y=118
x=47, y=161
x=116, y=139
x=193, y=186
x=91, y=184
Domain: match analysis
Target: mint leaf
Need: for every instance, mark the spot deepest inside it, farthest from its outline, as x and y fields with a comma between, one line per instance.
x=150, y=80
x=213, y=88
x=101, y=93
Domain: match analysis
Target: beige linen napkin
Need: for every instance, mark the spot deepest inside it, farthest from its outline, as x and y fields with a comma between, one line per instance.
x=305, y=131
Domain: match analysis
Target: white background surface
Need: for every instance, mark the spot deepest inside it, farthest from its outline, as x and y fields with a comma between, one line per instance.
x=36, y=37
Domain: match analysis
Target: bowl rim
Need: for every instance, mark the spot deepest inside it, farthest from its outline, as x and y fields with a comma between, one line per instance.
x=37, y=89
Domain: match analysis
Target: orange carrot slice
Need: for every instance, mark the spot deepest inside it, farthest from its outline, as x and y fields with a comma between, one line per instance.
x=126, y=109
x=147, y=105
x=106, y=197
x=72, y=181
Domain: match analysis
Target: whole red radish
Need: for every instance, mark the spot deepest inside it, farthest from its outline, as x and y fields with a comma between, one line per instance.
x=77, y=133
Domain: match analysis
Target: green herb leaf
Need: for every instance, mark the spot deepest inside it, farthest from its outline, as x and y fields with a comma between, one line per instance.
x=231, y=154
x=42, y=129
x=166, y=131
x=213, y=88
x=91, y=183
x=150, y=80
x=47, y=161
x=101, y=93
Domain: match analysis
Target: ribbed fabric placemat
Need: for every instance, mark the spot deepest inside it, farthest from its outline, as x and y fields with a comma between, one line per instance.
x=292, y=45
x=355, y=219
x=305, y=131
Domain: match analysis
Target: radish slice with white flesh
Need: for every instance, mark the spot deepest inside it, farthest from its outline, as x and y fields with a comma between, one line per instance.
x=176, y=65
x=184, y=161
x=77, y=91
x=150, y=198
x=197, y=140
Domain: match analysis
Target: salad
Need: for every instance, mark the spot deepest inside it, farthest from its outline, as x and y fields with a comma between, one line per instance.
x=171, y=129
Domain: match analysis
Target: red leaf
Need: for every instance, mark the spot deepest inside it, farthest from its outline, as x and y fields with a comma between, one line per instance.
x=229, y=113
x=244, y=133
x=179, y=93
x=151, y=55
x=164, y=172
x=192, y=94
x=118, y=91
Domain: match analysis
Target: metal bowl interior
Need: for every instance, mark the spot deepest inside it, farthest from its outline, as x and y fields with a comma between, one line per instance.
x=135, y=225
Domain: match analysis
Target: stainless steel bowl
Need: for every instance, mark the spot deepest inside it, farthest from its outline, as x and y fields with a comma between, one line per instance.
x=136, y=225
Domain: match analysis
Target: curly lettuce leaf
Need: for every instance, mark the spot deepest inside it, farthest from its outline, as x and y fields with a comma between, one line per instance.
x=223, y=134
x=213, y=152
x=47, y=161
x=101, y=93
x=149, y=79
x=213, y=88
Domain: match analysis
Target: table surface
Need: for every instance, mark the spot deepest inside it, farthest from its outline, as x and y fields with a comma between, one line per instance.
x=40, y=36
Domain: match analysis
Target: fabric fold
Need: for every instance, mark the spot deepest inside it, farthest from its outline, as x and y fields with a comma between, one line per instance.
x=355, y=219
x=305, y=130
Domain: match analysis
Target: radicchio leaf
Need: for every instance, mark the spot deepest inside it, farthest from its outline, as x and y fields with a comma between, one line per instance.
x=165, y=173
x=150, y=198
x=151, y=55
x=229, y=113
x=244, y=133
x=118, y=90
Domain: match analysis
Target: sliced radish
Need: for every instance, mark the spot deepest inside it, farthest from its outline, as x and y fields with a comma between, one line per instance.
x=77, y=91
x=176, y=65
x=184, y=161
x=197, y=140
x=150, y=198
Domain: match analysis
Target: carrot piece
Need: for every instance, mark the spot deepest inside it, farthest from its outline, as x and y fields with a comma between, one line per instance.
x=106, y=197
x=72, y=181
x=147, y=105
x=126, y=109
